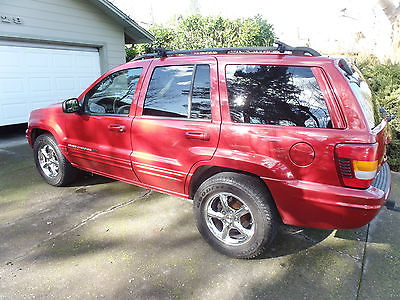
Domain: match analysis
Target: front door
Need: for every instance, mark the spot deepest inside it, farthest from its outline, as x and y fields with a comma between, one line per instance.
x=177, y=121
x=98, y=139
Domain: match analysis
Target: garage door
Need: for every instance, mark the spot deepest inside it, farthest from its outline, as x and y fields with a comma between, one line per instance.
x=34, y=76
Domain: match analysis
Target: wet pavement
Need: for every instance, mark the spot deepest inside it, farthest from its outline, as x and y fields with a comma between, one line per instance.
x=103, y=238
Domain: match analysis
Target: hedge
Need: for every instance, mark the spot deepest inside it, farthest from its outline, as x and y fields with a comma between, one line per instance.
x=384, y=81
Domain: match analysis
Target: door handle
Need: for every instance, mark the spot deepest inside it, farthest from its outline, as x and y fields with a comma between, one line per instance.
x=117, y=127
x=196, y=135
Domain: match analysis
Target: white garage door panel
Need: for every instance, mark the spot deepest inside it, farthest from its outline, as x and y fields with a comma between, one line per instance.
x=11, y=85
x=32, y=77
x=15, y=111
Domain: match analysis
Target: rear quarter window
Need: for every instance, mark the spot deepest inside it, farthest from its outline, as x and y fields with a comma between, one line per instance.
x=276, y=95
x=363, y=94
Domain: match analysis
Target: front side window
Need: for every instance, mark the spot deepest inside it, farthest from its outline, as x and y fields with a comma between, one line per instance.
x=276, y=95
x=179, y=92
x=113, y=94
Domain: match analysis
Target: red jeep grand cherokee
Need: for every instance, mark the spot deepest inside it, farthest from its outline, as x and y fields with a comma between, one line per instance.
x=253, y=138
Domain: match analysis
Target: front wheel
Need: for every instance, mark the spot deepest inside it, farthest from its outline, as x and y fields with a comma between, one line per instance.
x=51, y=163
x=235, y=214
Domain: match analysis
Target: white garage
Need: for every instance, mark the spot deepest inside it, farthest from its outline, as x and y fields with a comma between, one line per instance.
x=53, y=50
x=36, y=75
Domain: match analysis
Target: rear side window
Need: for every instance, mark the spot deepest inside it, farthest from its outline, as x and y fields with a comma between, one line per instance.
x=179, y=92
x=276, y=95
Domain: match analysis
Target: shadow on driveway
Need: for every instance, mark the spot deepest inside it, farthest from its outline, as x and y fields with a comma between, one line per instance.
x=104, y=238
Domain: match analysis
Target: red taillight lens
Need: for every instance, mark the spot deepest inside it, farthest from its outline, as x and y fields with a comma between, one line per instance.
x=357, y=164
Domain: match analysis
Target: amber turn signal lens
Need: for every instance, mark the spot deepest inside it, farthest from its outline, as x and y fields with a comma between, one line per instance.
x=365, y=169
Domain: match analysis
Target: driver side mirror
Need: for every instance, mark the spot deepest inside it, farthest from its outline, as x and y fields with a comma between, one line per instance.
x=71, y=105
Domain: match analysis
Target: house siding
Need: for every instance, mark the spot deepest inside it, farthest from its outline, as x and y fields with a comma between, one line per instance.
x=69, y=22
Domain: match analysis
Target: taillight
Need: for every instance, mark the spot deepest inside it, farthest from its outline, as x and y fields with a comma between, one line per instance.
x=357, y=164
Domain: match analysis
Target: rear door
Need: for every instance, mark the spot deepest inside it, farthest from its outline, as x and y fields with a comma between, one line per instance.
x=177, y=121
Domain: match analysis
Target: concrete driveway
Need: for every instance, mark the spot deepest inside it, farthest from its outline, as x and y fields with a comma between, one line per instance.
x=101, y=238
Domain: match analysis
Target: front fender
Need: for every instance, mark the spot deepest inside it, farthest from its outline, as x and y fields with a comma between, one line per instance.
x=48, y=119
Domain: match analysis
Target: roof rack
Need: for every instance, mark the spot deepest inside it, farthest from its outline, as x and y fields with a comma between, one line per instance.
x=281, y=48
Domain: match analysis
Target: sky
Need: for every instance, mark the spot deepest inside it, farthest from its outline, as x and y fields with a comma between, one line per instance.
x=334, y=24
x=282, y=11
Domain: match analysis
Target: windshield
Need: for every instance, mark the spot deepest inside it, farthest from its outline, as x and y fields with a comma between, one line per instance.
x=363, y=94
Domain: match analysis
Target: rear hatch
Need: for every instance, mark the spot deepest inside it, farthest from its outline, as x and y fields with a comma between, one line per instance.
x=372, y=156
x=363, y=94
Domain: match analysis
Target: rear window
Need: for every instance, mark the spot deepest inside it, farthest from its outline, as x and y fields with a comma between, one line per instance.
x=363, y=94
x=276, y=95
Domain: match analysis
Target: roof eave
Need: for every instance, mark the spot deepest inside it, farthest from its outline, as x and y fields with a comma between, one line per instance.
x=134, y=33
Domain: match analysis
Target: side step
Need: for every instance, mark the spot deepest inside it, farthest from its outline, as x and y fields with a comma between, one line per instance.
x=391, y=205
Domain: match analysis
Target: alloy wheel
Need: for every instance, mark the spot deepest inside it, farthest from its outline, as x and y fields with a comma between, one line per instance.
x=229, y=219
x=48, y=161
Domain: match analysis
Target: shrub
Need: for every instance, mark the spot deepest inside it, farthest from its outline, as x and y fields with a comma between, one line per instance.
x=393, y=152
x=130, y=53
x=197, y=31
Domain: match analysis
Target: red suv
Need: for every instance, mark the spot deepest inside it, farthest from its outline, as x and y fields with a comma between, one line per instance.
x=255, y=136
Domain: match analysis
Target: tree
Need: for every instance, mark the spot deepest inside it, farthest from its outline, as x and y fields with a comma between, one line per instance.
x=196, y=31
x=393, y=14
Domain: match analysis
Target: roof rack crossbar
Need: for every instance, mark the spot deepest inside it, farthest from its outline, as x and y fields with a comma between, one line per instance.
x=281, y=48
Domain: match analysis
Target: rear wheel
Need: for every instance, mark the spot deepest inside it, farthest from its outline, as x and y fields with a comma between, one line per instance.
x=51, y=163
x=235, y=214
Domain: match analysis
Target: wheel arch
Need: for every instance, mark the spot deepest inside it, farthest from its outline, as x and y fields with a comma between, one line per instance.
x=36, y=132
x=204, y=172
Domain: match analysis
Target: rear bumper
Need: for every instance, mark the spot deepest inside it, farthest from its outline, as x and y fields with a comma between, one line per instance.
x=311, y=204
x=383, y=181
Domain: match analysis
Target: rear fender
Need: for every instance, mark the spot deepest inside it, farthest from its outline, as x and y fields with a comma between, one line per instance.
x=258, y=165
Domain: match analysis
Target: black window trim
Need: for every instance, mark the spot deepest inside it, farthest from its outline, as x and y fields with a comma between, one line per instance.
x=177, y=119
x=189, y=96
x=191, y=93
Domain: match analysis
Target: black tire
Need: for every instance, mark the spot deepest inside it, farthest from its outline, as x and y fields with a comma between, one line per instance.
x=242, y=193
x=64, y=174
